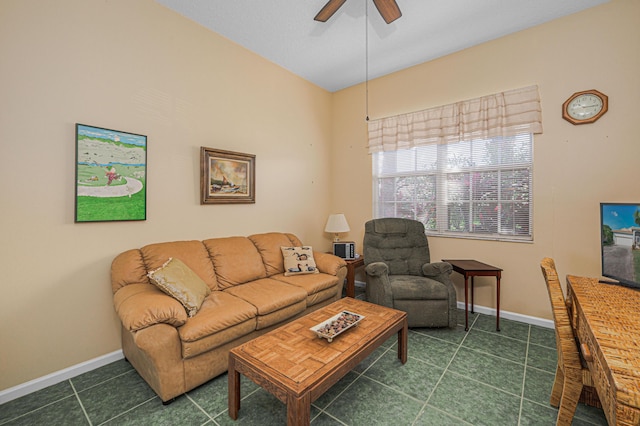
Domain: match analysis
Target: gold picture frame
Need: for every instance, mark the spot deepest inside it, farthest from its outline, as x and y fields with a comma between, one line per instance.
x=227, y=177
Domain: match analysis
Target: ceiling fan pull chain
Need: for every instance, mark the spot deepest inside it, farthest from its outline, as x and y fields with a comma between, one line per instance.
x=366, y=58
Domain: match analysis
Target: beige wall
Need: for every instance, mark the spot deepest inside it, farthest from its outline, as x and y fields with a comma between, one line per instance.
x=575, y=167
x=136, y=66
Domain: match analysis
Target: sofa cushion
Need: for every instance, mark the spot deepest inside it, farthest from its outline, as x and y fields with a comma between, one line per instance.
x=142, y=305
x=298, y=261
x=221, y=319
x=279, y=316
x=268, y=295
x=178, y=281
x=269, y=245
x=275, y=300
x=236, y=260
x=191, y=253
x=314, y=284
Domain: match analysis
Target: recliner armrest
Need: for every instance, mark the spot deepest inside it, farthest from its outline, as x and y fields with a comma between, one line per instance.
x=435, y=269
x=378, y=288
x=377, y=269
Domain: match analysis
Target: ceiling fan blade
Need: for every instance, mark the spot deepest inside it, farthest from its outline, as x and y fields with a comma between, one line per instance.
x=328, y=10
x=388, y=9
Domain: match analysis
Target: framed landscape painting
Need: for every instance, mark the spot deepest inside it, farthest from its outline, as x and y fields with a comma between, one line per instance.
x=111, y=175
x=227, y=177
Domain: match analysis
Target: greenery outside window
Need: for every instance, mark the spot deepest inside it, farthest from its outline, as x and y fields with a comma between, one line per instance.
x=469, y=189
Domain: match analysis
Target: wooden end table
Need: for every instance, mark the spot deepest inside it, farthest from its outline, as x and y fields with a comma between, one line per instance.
x=351, y=274
x=473, y=268
x=297, y=367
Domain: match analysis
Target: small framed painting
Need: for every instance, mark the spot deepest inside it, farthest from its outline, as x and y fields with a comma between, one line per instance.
x=227, y=177
x=111, y=175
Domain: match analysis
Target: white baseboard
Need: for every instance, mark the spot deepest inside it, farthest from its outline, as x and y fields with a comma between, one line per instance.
x=59, y=376
x=511, y=315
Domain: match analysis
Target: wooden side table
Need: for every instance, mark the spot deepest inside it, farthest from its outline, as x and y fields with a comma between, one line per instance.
x=473, y=268
x=351, y=275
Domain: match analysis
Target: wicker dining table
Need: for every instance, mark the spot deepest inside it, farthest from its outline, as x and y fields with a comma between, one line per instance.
x=606, y=318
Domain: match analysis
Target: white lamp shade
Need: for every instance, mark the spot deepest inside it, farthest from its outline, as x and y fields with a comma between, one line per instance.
x=337, y=223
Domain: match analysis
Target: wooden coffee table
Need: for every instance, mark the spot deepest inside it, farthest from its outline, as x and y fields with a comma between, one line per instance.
x=297, y=367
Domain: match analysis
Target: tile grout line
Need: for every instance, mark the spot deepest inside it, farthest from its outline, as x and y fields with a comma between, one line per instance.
x=129, y=410
x=226, y=410
x=421, y=411
x=131, y=371
x=502, y=335
x=359, y=375
x=524, y=375
x=471, y=379
x=75, y=392
x=330, y=416
x=9, y=420
x=186, y=394
x=391, y=388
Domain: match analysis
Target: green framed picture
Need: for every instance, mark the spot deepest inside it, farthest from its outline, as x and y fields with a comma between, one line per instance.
x=111, y=175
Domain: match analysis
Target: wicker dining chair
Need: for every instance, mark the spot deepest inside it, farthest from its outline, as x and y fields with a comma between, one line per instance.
x=572, y=374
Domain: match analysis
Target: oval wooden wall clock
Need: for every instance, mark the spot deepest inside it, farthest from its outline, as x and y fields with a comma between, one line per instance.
x=585, y=107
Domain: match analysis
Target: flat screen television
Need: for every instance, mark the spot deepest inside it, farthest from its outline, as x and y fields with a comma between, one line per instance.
x=620, y=242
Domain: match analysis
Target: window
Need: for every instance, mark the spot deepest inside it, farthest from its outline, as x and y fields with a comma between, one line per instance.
x=463, y=169
x=480, y=188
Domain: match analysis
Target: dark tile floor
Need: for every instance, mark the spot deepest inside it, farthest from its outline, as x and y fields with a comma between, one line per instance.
x=481, y=377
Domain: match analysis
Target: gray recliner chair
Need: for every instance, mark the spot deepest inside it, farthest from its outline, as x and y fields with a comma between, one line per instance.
x=399, y=274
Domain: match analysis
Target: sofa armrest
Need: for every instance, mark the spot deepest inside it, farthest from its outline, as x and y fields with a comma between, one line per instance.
x=156, y=353
x=328, y=263
x=378, y=286
x=142, y=305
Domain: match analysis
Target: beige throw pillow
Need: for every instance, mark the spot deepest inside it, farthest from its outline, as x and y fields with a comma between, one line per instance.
x=180, y=282
x=298, y=260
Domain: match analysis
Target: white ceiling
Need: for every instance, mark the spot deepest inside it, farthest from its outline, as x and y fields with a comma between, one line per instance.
x=332, y=54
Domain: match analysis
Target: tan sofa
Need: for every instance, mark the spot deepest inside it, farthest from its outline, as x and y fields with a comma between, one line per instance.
x=250, y=295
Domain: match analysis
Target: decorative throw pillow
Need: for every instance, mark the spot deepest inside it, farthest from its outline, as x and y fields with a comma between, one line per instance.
x=178, y=281
x=298, y=260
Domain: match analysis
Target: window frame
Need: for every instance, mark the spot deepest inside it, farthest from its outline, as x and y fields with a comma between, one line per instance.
x=442, y=171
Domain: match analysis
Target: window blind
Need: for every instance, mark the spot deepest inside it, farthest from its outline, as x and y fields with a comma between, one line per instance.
x=476, y=189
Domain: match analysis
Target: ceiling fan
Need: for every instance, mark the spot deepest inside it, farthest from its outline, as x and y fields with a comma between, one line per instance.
x=388, y=9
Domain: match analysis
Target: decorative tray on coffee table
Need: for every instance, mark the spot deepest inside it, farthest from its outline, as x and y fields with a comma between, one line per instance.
x=336, y=325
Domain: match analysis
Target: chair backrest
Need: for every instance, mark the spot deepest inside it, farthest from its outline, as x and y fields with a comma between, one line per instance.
x=568, y=356
x=400, y=243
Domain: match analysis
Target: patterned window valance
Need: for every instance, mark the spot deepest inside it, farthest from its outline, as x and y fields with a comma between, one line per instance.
x=501, y=114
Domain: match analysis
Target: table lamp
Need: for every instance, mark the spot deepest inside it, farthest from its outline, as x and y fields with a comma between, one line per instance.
x=335, y=224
